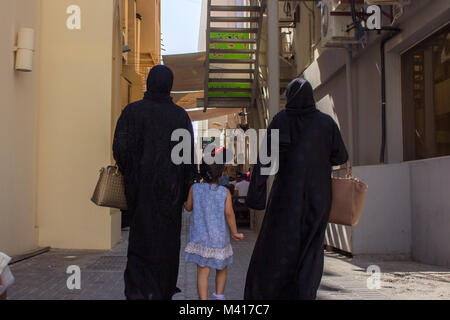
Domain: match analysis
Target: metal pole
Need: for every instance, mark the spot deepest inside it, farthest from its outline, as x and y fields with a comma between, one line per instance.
x=273, y=57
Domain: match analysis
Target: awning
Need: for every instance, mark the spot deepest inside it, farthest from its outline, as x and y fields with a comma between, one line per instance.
x=188, y=70
x=187, y=100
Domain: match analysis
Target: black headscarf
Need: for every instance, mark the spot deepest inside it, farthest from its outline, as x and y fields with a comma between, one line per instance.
x=159, y=84
x=300, y=97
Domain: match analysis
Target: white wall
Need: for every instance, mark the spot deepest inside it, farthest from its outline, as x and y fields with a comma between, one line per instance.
x=406, y=212
x=385, y=224
x=430, y=196
x=202, y=32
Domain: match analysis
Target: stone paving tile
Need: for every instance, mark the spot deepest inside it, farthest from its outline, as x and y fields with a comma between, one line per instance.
x=44, y=277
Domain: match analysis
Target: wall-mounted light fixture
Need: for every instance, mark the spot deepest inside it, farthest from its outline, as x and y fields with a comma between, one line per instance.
x=24, y=50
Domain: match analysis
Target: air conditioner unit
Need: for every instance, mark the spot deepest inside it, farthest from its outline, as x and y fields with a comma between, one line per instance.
x=335, y=31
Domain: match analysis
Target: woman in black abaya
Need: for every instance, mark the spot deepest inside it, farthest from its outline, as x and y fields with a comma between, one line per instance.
x=155, y=187
x=287, y=261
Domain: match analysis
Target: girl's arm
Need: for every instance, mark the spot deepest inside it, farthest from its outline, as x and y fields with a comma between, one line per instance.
x=188, y=205
x=231, y=219
x=3, y=296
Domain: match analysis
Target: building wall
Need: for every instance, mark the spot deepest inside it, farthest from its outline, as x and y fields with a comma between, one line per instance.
x=407, y=207
x=405, y=212
x=327, y=72
x=306, y=34
x=74, y=134
x=151, y=27
x=18, y=123
x=57, y=122
x=367, y=107
x=430, y=196
x=385, y=224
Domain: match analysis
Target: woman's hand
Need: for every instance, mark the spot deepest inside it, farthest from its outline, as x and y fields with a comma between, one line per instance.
x=238, y=236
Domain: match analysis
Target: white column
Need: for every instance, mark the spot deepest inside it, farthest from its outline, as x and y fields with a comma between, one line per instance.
x=273, y=58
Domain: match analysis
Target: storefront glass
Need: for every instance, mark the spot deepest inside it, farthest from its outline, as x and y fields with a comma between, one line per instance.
x=426, y=98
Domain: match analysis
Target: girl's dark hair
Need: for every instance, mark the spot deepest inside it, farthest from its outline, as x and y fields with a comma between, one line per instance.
x=211, y=172
x=231, y=188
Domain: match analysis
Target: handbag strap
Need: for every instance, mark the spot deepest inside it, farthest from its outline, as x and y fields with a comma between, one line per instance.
x=348, y=169
x=117, y=172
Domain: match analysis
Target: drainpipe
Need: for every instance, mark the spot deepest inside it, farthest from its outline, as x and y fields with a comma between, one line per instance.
x=349, y=77
x=383, y=92
x=273, y=58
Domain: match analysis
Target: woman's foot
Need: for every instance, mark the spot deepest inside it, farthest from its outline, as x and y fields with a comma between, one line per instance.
x=219, y=296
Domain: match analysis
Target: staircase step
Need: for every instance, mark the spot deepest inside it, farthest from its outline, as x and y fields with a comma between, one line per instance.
x=230, y=89
x=234, y=19
x=250, y=51
x=232, y=40
x=224, y=102
x=231, y=71
x=236, y=8
x=233, y=61
x=234, y=30
x=230, y=80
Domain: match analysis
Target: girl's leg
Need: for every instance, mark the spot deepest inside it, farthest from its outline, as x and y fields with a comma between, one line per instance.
x=202, y=282
x=221, y=279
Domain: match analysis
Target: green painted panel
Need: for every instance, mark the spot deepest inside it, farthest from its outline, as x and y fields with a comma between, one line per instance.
x=229, y=94
x=227, y=35
x=229, y=85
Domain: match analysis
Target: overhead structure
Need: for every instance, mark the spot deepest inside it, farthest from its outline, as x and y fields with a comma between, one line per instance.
x=233, y=36
x=187, y=100
x=188, y=70
x=198, y=114
x=187, y=90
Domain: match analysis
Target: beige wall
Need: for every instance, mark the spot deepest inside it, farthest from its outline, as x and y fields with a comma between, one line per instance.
x=18, y=121
x=151, y=27
x=74, y=138
x=57, y=122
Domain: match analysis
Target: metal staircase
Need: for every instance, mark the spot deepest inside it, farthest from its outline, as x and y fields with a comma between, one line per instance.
x=233, y=36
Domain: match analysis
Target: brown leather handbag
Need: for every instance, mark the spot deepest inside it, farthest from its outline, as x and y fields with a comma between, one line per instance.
x=348, y=195
x=110, y=190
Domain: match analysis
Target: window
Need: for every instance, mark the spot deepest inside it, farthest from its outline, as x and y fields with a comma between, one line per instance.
x=426, y=98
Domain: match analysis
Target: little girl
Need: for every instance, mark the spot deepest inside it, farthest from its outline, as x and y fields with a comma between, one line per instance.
x=209, y=244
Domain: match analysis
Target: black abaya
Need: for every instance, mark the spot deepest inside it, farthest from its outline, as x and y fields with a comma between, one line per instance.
x=155, y=187
x=287, y=261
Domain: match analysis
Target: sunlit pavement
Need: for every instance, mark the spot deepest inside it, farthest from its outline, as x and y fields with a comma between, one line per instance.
x=44, y=276
x=334, y=286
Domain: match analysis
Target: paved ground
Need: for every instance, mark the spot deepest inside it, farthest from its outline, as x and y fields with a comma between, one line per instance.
x=44, y=277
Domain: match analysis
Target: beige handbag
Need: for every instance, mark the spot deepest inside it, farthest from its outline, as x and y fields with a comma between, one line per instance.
x=110, y=190
x=348, y=199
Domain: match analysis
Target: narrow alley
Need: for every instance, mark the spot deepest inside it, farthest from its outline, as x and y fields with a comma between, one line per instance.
x=44, y=277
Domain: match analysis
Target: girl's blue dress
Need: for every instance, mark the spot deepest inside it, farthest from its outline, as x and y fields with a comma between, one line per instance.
x=209, y=237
